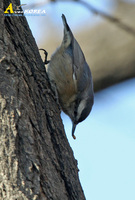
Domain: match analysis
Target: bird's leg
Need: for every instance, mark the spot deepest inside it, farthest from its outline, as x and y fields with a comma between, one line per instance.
x=46, y=54
x=53, y=85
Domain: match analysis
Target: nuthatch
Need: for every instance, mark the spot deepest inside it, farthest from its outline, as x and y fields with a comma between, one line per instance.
x=71, y=75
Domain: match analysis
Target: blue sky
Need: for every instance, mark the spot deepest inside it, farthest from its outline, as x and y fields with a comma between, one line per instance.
x=105, y=144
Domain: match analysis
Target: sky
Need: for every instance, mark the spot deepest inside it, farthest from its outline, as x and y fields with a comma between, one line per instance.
x=105, y=144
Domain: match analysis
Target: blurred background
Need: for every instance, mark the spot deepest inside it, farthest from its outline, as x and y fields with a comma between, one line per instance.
x=105, y=144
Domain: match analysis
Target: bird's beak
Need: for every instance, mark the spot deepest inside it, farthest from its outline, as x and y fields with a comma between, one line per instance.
x=73, y=130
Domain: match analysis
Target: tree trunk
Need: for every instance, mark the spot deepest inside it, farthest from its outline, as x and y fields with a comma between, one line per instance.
x=36, y=161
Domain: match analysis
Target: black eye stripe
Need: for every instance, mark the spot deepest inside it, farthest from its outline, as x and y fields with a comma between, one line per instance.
x=76, y=108
x=75, y=113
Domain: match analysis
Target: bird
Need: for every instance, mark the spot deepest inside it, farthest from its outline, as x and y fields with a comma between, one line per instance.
x=71, y=77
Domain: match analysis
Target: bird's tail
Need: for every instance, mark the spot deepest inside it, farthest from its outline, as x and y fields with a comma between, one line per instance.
x=65, y=23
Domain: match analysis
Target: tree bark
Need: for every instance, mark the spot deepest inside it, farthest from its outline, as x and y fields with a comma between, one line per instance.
x=36, y=161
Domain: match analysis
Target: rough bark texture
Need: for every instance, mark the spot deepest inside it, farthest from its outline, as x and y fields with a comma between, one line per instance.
x=36, y=161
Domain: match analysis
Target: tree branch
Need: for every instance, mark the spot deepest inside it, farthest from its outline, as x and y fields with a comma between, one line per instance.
x=108, y=17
